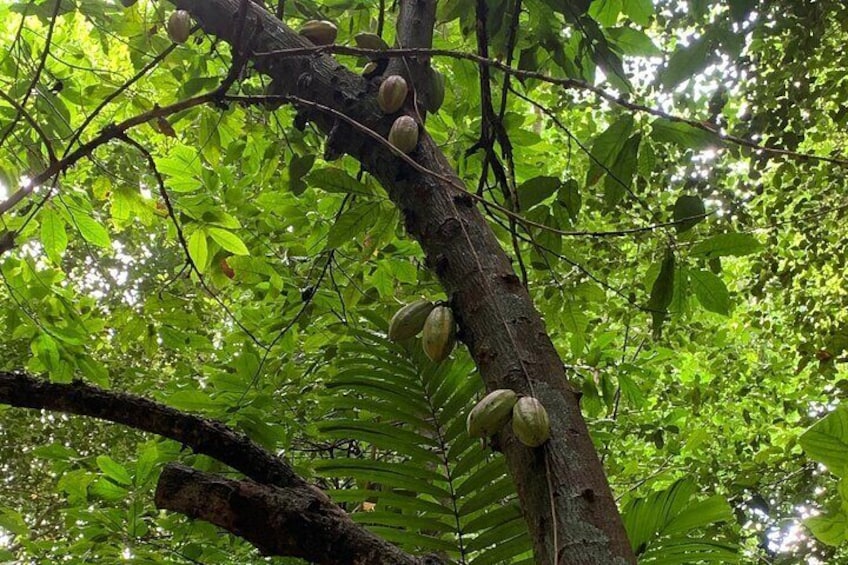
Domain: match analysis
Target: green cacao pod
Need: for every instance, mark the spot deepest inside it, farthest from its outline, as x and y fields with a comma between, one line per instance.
x=369, y=68
x=404, y=134
x=409, y=320
x=370, y=41
x=439, y=335
x=179, y=26
x=530, y=422
x=392, y=94
x=437, y=91
x=319, y=32
x=491, y=413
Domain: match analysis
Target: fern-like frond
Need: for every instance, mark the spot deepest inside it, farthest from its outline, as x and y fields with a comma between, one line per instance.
x=418, y=479
x=663, y=527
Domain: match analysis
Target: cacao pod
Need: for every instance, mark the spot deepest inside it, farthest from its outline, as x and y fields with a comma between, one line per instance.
x=227, y=269
x=404, y=134
x=128, y=3
x=392, y=94
x=530, y=422
x=436, y=95
x=491, y=413
x=369, y=68
x=439, y=335
x=319, y=32
x=179, y=26
x=370, y=41
x=409, y=320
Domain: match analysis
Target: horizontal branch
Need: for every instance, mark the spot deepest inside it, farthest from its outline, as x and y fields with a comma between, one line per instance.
x=200, y=434
x=110, y=133
x=297, y=521
x=567, y=83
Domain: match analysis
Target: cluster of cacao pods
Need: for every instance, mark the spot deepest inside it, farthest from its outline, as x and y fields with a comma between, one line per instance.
x=435, y=323
x=179, y=26
x=530, y=422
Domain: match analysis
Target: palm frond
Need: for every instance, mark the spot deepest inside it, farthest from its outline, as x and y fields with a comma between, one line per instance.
x=418, y=478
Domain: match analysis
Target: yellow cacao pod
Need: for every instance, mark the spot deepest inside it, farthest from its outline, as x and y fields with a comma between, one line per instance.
x=404, y=134
x=530, y=422
x=319, y=32
x=392, y=94
x=491, y=413
x=439, y=335
x=179, y=26
x=409, y=320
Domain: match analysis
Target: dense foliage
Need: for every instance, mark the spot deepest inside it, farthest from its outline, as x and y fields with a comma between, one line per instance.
x=688, y=262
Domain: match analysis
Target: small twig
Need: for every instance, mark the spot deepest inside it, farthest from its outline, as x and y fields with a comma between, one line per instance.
x=568, y=83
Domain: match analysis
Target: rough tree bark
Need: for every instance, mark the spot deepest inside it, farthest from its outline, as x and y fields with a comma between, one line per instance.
x=564, y=493
x=278, y=521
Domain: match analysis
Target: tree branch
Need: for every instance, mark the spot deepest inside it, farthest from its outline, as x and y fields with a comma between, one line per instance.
x=280, y=513
x=297, y=521
x=567, y=83
x=200, y=434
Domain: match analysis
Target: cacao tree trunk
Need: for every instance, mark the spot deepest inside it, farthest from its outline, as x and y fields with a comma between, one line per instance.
x=564, y=493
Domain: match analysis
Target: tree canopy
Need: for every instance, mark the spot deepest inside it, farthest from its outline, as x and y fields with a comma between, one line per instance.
x=203, y=242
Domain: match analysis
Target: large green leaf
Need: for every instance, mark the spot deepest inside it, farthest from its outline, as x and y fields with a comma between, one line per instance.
x=727, y=244
x=826, y=441
x=607, y=147
x=711, y=291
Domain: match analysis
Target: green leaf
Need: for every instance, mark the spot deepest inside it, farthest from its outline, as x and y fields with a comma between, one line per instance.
x=619, y=180
x=607, y=146
x=630, y=41
x=686, y=62
x=831, y=530
x=91, y=230
x=183, y=167
x=148, y=456
x=299, y=165
x=605, y=12
x=536, y=190
x=228, y=240
x=569, y=196
x=664, y=130
x=198, y=249
x=640, y=11
x=826, y=441
x=688, y=212
x=114, y=470
x=12, y=521
x=662, y=292
x=711, y=291
x=332, y=179
x=700, y=514
x=108, y=490
x=727, y=244
x=54, y=238
x=353, y=222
